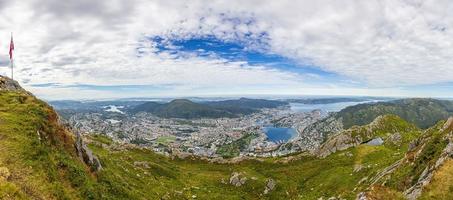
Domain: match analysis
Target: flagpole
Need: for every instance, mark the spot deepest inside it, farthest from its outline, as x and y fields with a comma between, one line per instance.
x=11, y=60
x=12, y=69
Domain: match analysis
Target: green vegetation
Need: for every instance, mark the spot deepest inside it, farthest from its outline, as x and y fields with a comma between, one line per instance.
x=165, y=140
x=304, y=178
x=234, y=148
x=37, y=156
x=407, y=175
x=421, y=112
x=183, y=108
x=441, y=186
x=38, y=161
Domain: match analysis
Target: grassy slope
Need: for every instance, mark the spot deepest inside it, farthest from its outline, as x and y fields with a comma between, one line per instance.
x=441, y=186
x=306, y=178
x=422, y=112
x=427, y=151
x=40, y=167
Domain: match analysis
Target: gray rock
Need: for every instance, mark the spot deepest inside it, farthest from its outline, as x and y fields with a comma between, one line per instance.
x=362, y=196
x=357, y=167
x=4, y=173
x=375, y=142
x=394, y=138
x=425, y=178
x=142, y=164
x=270, y=185
x=9, y=84
x=86, y=154
x=237, y=179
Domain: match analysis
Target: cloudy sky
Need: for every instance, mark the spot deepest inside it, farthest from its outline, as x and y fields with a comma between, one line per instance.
x=83, y=49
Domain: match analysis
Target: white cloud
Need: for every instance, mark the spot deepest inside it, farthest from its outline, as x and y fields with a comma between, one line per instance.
x=378, y=43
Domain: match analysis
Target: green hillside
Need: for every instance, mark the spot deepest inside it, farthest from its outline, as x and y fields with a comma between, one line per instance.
x=182, y=108
x=37, y=155
x=422, y=112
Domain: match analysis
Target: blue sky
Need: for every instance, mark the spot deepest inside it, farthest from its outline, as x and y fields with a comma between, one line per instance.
x=253, y=51
x=104, y=49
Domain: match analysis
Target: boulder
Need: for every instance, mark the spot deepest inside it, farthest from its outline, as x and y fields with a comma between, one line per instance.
x=4, y=173
x=375, y=142
x=237, y=179
x=270, y=185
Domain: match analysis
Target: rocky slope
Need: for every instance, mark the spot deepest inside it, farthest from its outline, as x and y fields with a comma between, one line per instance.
x=418, y=173
x=384, y=130
x=39, y=157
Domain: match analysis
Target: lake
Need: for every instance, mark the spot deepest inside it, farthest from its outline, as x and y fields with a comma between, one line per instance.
x=277, y=134
x=330, y=107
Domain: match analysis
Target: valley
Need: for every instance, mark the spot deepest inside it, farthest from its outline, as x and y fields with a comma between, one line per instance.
x=198, y=136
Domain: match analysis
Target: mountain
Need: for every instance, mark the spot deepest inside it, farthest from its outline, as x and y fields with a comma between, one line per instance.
x=423, y=112
x=183, y=108
x=389, y=158
x=247, y=103
x=329, y=100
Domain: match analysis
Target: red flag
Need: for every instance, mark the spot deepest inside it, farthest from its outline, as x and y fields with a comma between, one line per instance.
x=11, y=48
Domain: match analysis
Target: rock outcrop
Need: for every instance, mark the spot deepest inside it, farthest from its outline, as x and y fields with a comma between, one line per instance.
x=425, y=178
x=86, y=154
x=270, y=185
x=237, y=179
x=4, y=173
x=9, y=84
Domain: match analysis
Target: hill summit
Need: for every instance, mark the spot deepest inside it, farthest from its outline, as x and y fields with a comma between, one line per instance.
x=9, y=84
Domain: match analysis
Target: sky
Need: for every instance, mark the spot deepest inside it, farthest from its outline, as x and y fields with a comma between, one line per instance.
x=84, y=49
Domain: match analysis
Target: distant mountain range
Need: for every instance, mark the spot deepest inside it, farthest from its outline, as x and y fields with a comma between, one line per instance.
x=326, y=100
x=183, y=108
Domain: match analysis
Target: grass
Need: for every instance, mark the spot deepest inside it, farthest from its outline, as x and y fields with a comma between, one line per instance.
x=306, y=178
x=165, y=140
x=441, y=186
x=39, y=156
x=233, y=149
x=38, y=153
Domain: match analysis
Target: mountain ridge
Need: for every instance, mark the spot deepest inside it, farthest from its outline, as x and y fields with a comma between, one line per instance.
x=184, y=108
